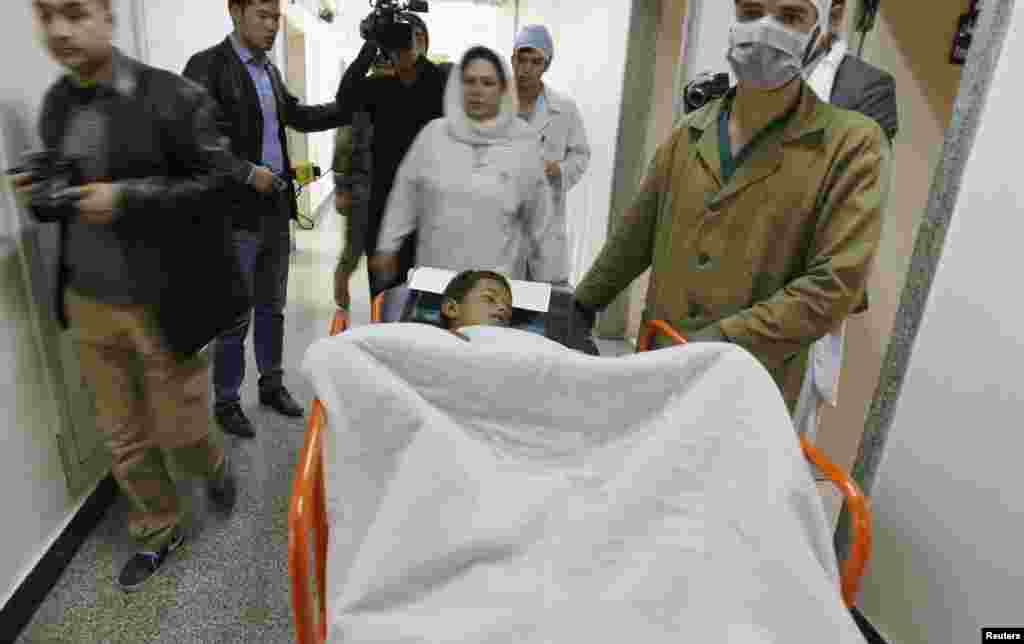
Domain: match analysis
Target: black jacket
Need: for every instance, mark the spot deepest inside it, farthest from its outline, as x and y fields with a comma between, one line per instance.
x=866, y=89
x=397, y=113
x=220, y=70
x=171, y=165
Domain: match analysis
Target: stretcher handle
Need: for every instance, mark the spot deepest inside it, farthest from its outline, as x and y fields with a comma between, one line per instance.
x=653, y=328
x=377, y=308
x=860, y=513
x=308, y=514
x=856, y=501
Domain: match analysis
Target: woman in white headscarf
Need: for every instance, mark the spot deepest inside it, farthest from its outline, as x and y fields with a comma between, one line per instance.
x=473, y=185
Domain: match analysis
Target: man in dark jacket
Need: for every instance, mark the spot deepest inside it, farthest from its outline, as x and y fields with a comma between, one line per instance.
x=397, y=107
x=850, y=83
x=255, y=106
x=146, y=275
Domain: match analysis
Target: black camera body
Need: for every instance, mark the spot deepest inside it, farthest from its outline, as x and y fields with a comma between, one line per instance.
x=53, y=176
x=704, y=89
x=384, y=26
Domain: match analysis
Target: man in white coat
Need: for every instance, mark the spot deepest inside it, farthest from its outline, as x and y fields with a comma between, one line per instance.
x=555, y=118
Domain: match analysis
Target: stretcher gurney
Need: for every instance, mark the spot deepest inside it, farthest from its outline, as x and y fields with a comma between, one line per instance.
x=308, y=512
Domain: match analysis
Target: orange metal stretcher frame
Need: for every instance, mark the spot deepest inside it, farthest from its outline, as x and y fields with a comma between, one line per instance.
x=308, y=516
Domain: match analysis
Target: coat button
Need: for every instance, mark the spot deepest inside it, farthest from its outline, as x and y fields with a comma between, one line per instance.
x=703, y=260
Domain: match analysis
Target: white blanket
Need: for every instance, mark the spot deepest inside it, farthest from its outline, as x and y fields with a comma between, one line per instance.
x=508, y=490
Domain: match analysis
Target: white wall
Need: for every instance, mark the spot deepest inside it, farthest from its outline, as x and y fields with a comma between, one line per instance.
x=36, y=502
x=176, y=29
x=457, y=25
x=948, y=503
x=708, y=38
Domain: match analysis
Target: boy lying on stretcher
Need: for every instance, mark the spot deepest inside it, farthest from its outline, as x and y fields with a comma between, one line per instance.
x=476, y=298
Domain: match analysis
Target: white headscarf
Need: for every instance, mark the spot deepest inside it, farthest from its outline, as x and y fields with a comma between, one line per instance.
x=508, y=124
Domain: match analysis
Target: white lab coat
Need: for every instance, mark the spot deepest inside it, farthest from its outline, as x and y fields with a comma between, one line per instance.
x=825, y=359
x=563, y=140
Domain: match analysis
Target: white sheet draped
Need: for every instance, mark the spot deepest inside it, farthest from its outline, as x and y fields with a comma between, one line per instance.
x=508, y=490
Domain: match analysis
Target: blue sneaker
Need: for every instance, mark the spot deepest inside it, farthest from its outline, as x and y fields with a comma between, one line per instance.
x=145, y=564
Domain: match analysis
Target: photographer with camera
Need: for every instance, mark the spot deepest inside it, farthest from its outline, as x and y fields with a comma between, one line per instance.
x=255, y=107
x=146, y=277
x=396, y=107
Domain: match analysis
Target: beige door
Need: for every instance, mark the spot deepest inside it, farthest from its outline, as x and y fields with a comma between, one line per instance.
x=295, y=77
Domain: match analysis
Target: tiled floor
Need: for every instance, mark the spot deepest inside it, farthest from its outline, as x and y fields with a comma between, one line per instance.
x=229, y=582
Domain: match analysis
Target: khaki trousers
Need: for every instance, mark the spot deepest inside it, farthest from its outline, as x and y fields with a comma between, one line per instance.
x=149, y=404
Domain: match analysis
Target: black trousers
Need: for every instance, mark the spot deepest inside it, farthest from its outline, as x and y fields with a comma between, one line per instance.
x=263, y=256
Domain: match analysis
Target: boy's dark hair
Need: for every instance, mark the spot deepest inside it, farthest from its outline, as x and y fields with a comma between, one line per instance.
x=244, y=4
x=463, y=283
x=483, y=53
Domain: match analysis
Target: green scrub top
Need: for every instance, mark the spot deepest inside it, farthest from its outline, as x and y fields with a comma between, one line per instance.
x=730, y=163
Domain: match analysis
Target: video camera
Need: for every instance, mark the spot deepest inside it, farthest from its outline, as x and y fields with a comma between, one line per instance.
x=52, y=178
x=384, y=25
x=704, y=89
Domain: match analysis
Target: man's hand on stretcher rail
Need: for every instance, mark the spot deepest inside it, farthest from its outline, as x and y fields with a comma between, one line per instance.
x=582, y=317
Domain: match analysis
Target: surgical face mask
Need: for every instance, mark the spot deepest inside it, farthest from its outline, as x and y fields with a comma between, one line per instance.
x=765, y=54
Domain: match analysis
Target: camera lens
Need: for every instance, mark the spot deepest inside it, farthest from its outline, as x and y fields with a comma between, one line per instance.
x=695, y=96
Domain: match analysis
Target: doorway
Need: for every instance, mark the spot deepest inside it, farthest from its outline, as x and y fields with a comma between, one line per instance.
x=914, y=47
x=295, y=78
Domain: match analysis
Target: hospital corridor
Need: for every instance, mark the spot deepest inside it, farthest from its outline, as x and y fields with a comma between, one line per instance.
x=533, y=321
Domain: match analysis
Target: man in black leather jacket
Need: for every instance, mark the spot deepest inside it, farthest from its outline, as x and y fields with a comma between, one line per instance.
x=146, y=275
x=255, y=107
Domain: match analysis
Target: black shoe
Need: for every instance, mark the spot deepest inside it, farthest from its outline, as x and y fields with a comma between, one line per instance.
x=145, y=564
x=233, y=421
x=281, y=401
x=222, y=489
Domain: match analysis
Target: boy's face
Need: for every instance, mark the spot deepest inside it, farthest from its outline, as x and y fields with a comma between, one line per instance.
x=488, y=303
